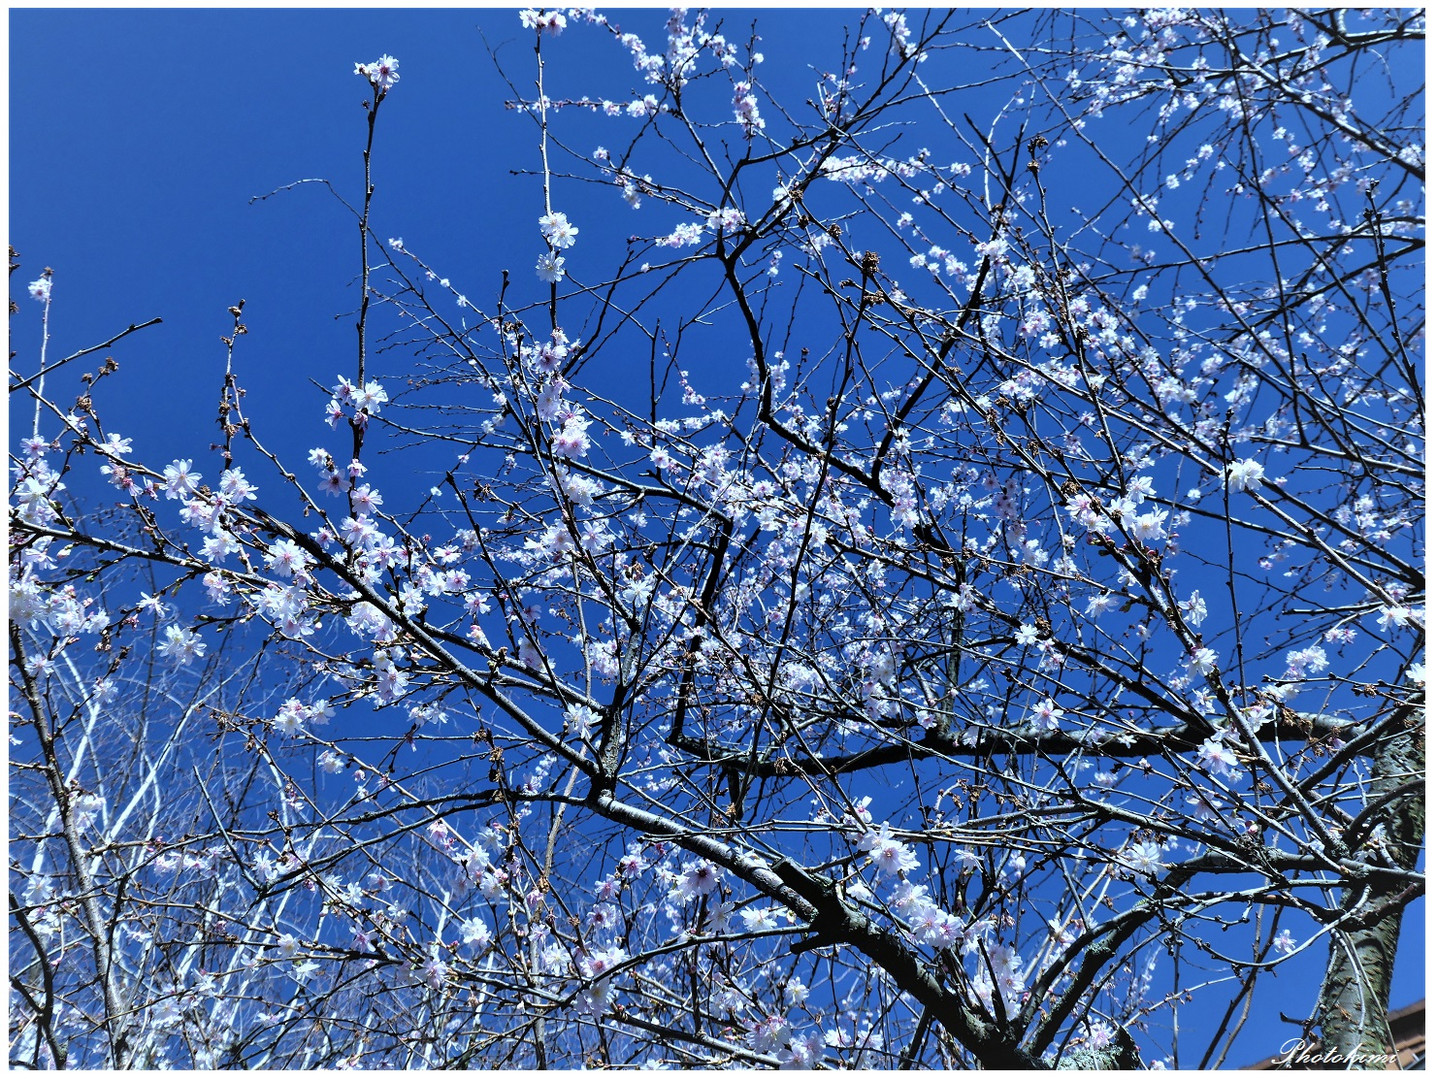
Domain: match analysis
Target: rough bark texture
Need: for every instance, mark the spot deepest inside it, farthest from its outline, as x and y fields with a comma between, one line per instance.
x=1354, y=1004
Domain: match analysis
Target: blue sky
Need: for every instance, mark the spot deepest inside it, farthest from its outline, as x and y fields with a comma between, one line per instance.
x=139, y=138
x=137, y=191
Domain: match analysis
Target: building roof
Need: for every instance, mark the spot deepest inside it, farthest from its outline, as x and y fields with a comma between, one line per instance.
x=1409, y=1044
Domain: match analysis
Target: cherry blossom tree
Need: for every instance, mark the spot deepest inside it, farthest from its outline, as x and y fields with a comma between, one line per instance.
x=988, y=632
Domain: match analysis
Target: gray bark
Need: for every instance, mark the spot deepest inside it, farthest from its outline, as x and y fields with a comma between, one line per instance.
x=1354, y=1002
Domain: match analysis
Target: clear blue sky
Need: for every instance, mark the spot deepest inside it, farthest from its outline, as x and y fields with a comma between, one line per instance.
x=138, y=139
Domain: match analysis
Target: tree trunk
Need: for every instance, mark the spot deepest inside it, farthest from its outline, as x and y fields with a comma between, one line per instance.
x=1354, y=1003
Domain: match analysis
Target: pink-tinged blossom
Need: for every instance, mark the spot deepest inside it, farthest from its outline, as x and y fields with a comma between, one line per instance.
x=432, y=971
x=27, y=599
x=1400, y=614
x=34, y=495
x=358, y=532
x=684, y=235
x=290, y=718
x=859, y=814
x=333, y=483
x=598, y=964
x=795, y=993
x=594, y=1000
x=552, y=22
x=602, y=657
x=549, y=404
x=1045, y=716
x=1004, y=965
x=1087, y=512
x=217, y=587
x=603, y=919
x=942, y=931
x=235, y=488
x=886, y=853
x=119, y=476
x=389, y=682
x=365, y=500
x=548, y=357
x=180, y=482
x=34, y=446
x=64, y=610
x=572, y=441
x=286, y=557
x=439, y=832
x=698, y=878
x=730, y=220
x=648, y=105
x=745, y=108
x=1148, y=528
x=529, y=655
x=421, y=715
x=40, y=289
x=1216, y=757
x=804, y=1053
x=581, y=491
x=898, y=26
x=382, y=73
x=769, y=1034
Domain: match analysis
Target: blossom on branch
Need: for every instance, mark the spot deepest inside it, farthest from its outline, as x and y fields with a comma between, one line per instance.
x=550, y=268
x=382, y=73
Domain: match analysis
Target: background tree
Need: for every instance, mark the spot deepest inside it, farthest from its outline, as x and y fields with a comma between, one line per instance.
x=982, y=627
